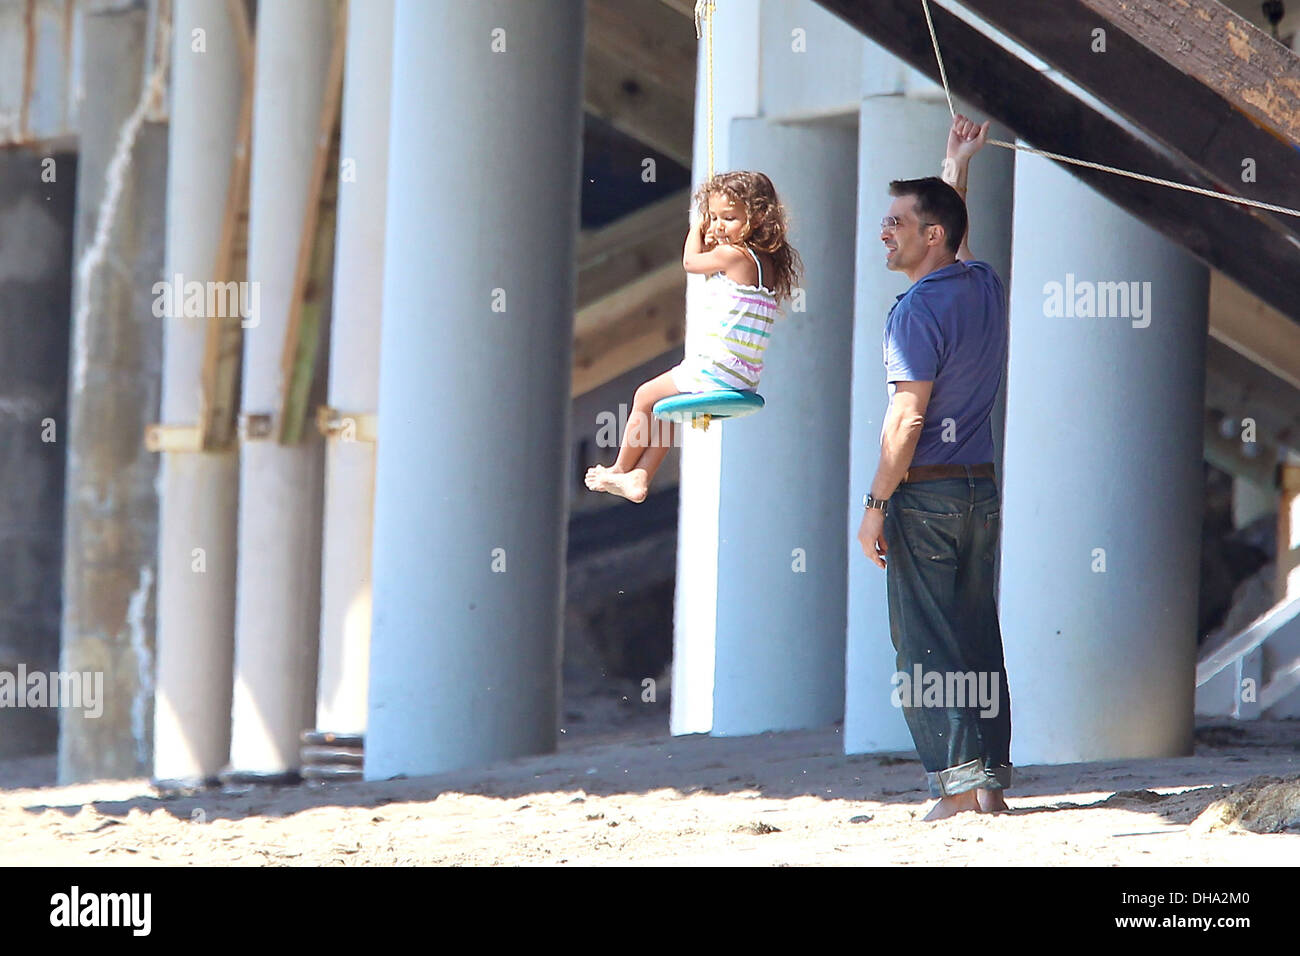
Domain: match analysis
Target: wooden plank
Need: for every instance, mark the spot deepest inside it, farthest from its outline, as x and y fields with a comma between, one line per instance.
x=1261, y=333
x=1227, y=53
x=684, y=7
x=315, y=252
x=223, y=348
x=650, y=113
x=621, y=331
x=614, y=255
x=1238, y=387
x=658, y=47
x=1139, y=83
x=1254, y=251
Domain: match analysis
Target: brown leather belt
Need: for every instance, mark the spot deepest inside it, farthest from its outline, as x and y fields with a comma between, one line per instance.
x=930, y=472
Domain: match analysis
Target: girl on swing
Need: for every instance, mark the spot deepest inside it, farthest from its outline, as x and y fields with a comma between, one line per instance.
x=741, y=245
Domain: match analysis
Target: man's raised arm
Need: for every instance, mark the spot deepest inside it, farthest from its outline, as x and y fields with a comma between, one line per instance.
x=965, y=139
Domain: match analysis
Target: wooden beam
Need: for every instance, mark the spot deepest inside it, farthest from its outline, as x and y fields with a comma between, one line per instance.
x=1225, y=52
x=621, y=95
x=685, y=7
x=1238, y=388
x=1139, y=82
x=621, y=331
x=315, y=252
x=614, y=255
x=223, y=345
x=658, y=46
x=1260, y=333
x=1254, y=252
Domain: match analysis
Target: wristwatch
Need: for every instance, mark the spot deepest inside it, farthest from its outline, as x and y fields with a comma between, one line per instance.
x=881, y=503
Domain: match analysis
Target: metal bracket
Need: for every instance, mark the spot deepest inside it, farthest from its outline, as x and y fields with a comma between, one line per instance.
x=255, y=427
x=346, y=426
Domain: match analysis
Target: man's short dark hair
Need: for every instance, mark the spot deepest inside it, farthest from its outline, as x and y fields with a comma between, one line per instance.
x=936, y=202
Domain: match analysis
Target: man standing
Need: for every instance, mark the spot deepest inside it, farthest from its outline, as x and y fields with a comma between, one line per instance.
x=934, y=503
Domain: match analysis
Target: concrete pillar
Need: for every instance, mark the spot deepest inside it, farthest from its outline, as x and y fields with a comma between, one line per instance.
x=280, y=486
x=474, y=390
x=736, y=30
x=35, y=283
x=111, y=512
x=1103, y=484
x=196, y=553
x=779, y=652
x=354, y=374
x=900, y=137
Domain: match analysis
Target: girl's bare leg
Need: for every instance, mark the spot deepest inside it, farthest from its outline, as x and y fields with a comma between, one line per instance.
x=628, y=477
x=654, y=456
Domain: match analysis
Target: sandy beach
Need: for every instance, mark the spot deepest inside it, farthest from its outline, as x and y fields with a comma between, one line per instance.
x=634, y=795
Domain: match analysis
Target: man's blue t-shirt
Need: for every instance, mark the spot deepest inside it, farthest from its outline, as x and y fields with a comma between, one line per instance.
x=950, y=328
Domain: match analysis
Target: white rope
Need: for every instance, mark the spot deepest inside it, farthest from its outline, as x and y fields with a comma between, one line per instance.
x=1213, y=194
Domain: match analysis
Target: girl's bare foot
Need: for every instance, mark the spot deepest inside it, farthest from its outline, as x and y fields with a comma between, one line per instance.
x=631, y=485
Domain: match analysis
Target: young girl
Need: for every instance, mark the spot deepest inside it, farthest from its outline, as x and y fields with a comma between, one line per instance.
x=741, y=245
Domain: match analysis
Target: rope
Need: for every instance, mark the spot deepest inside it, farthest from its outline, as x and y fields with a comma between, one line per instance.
x=704, y=15
x=1213, y=194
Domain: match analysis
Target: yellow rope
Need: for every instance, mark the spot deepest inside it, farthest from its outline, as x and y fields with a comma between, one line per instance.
x=704, y=15
x=1213, y=194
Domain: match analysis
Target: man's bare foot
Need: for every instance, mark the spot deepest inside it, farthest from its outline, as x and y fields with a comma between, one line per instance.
x=991, y=801
x=949, y=806
x=630, y=485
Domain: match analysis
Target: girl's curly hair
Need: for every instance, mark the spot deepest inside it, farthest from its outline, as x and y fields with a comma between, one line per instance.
x=767, y=229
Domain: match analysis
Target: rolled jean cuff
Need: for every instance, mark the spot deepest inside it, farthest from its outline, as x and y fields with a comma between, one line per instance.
x=971, y=775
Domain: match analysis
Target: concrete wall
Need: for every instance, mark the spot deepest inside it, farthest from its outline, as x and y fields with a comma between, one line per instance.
x=35, y=299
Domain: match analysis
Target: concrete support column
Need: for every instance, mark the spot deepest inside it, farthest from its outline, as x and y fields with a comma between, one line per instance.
x=354, y=374
x=900, y=137
x=278, y=609
x=1103, y=488
x=35, y=286
x=111, y=511
x=196, y=552
x=736, y=30
x=779, y=653
x=474, y=388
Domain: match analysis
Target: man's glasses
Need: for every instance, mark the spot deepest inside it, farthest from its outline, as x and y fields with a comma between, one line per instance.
x=890, y=223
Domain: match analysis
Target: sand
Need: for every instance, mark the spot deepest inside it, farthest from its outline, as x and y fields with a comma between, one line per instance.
x=637, y=796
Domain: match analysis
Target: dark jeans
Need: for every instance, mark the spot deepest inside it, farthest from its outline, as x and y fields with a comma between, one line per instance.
x=942, y=538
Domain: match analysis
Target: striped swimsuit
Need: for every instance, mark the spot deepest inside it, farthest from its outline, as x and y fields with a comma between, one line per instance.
x=738, y=322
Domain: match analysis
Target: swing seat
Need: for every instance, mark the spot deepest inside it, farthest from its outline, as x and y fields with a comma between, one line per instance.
x=699, y=408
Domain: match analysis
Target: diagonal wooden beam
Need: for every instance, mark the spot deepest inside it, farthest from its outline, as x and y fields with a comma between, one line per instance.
x=617, y=333
x=1225, y=52
x=628, y=248
x=223, y=344
x=1254, y=252
x=315, y=251
x=653, y=41
x=1165, y=98
x=628, y=100
x=685, y=7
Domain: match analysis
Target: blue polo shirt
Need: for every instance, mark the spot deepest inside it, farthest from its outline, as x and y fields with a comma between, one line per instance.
x=950, y=328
